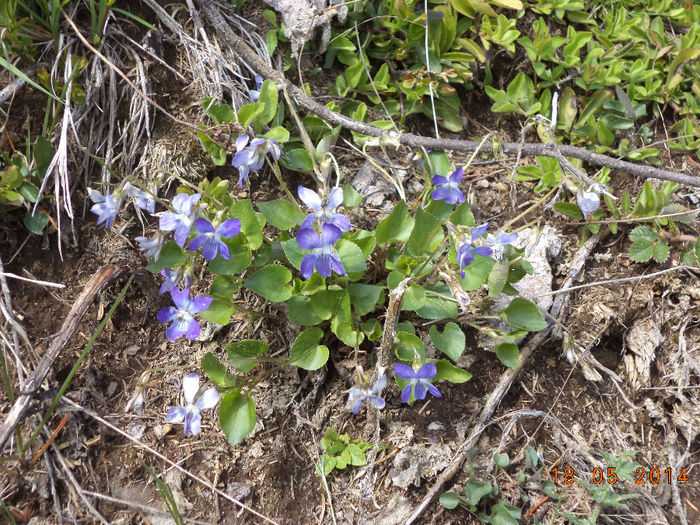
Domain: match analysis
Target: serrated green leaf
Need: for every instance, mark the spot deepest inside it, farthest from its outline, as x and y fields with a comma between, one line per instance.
x=644, y=234
x=250, y=112
x=236, y=417
x=660, y=251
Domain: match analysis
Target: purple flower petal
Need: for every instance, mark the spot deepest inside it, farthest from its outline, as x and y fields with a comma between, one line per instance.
x=377, y=402
x=433, y=390
x=310, y=198
x=196, y=243
x=223, y=250
x=181, y=233
x=168, y=221
x=335, y=198
x=308, y=239
x=478, y=231
x=379, y=384
x=330, y=235
x=307, y=265
x=404, y=371
x=340, y=221
x=200, y=303
x=242, y=141
x=440, y=193
x=308, y=222
x=193, y=422
x=457, y=175
x=175, y=414
x=175, y=331
x=427, y=371
x=203, y=226
x=193, y=330
x=453, y=196
x=208, y=399
x=484, y=251
x=419, y=391
x=181, y=298
x=229, y=228
x=406, y=393
x=439, y=179
x=357, y=406
x=166, y=314
x=190, y=386
x=210, y=248
x=323, y=265
x=337, y=265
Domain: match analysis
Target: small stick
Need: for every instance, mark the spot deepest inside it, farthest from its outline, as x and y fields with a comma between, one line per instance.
x=532, y=511
x=50, y=440
x=98, y=281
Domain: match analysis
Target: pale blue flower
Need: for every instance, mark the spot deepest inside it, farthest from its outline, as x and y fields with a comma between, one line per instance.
x=182, y=218
x=191, y=413
x=252, y=158
x=467, y=251
x=106, y=207
x=324, y=257
x=359, y=395
x=447, y=188
x=151, y=246
x=499, y=241
x=181, y=315
x=324, y=209
x=210, y=240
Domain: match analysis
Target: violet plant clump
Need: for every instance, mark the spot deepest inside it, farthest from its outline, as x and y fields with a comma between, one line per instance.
x=447, y=188
x=252, y=158
x=324, y=209
x=191, y=412
x=467, y=250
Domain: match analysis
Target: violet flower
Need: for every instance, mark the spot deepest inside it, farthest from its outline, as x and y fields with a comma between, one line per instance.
x=448, y=187
x=190, y=413
x=210, y=240
x=151, y=246
x=324, y=257
x=174, y=276
x=358, y=395
x=181, y=314
x=324, y=209
x=467, y=251
x=182, y=218
x=106, y=207
x=418, y=380
x=253, y=157
x=589, y=200
x=499, y=241
x=140, y=198
x=255, y=93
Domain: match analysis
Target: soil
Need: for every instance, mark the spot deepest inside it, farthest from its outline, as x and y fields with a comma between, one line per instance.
x=645, y=403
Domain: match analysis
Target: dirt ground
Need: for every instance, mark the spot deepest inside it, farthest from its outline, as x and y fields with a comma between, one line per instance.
x=634, y=387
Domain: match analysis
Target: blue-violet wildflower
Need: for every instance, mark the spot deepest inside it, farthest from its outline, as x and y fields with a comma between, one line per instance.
x=499, y=241
x=448, y=187
x=190, y=413
x=418, y=380
x=210, y=240
x=467, y=251
x=358, y=395
x=252, y=158
x=181, y=314
x=174, y=276
x=589, y=200
x=182, y=218
x=151, y=246
x=106, y=206
x=324, y=257
x=324, y=209
x=255, y=93
x=140, y=198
